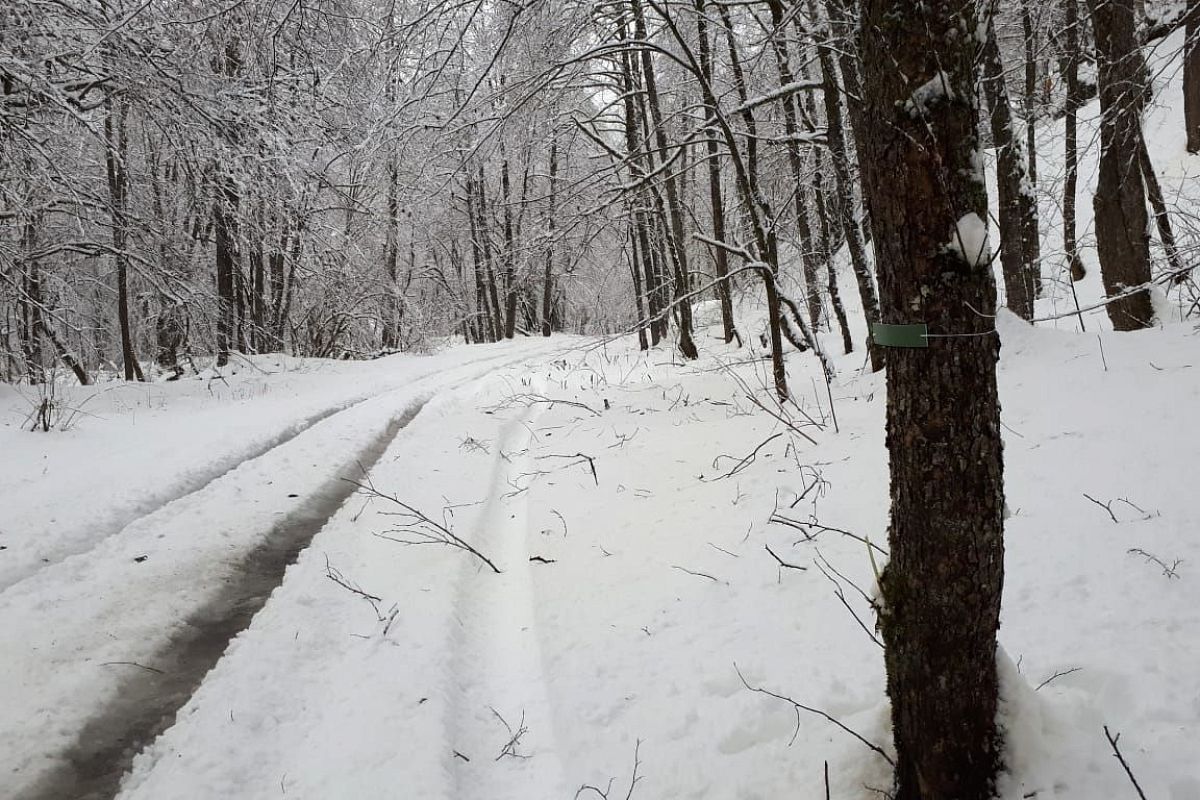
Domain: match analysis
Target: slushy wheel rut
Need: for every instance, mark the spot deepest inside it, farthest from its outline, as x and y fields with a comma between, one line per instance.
x=148, y=700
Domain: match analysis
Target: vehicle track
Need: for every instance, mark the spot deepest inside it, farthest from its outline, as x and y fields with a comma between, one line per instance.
x=195, y=484
x=147, y=699
x=497, y=682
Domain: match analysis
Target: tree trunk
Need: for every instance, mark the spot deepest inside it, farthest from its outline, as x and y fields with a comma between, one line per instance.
x=739, y=81
x=1191, y=77
x=716, y=201
x=1122, y=241
x=391, y=256
x=675, y=236
x=115, y=152
x=1033, y=245
x=224, y=210
x=941, y=589
x=510, y=248
x=1071, y=140
x=1158, y=204
x=1030, y=38
x=548, y=279
x=637, y=285
x=635, y=132
x=845, y=203
x=31, y=307
x=803, y=229
x=1011, y=185
x=845, y=16
x=489, y=273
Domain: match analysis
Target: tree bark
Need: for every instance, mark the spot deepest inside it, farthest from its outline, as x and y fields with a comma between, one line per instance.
x=224, y=209
x=716, y=201
x=510, y=249
x=391, y=256
x=804, y=233
x=1158, y=204
x=845, y=203
x=647, y=203
x=548, y=278
x=1191, y=77
x=115, y=166
x=1071, y=107
x=941, y=589
x=1016, y=204
x=1122, y=241
x=675, y=235
x=1030, y=38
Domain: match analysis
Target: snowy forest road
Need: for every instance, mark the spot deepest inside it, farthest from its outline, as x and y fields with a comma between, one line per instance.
x=107, y=644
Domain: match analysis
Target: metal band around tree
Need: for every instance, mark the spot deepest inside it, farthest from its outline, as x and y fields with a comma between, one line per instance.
x=886, y=335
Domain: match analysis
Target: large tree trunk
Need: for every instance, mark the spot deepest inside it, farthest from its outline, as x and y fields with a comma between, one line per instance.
x=1122, y=241
x=941, y=589
x=1191, y=77
x=845, y=203
x=1012, y=183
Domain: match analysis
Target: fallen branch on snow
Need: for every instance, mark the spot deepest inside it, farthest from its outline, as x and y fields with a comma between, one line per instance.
x=798, y=707
x=419, y=528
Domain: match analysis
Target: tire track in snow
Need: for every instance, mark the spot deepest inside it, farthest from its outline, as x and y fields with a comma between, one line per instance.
x=195, y=481
x=143, y=703
x=146, y=703
x=497, y=663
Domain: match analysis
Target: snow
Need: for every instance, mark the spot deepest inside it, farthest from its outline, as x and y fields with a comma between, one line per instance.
x=659, y=583
x=931, y=91
x=970, y=240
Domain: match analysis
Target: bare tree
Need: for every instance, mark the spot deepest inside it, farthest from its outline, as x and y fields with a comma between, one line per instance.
x=1122, y=241
x=942, y=586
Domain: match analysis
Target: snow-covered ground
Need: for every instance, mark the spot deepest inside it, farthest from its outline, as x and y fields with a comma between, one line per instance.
x=676, y=555
x=658, y=591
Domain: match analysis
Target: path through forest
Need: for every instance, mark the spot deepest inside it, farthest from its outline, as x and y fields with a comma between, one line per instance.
x=148, y=609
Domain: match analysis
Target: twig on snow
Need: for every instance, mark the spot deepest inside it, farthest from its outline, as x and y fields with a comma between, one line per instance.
x=633, y=778
x=1168, y=571
x=591, y=462
x=155, y=670
x=812, y=530
x=1112, y=740
x=697, y=574
x=745, y=460
x=782, y=564
x=1060, y=673
x=798, y=707
x=1106, y=506
x=514, y=737
x=419, y=527
x=841, y=596
x=341, y=580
